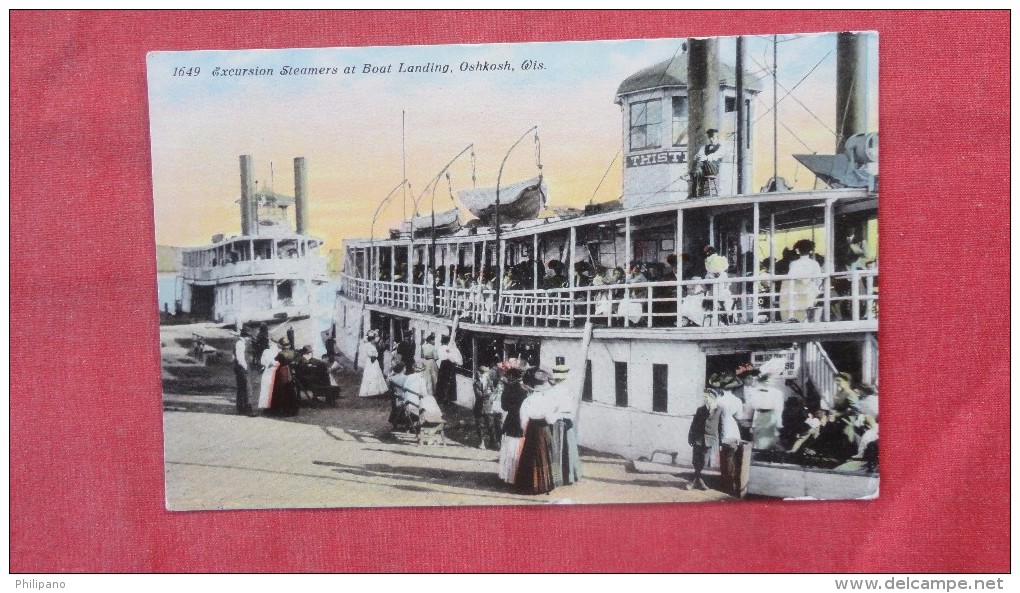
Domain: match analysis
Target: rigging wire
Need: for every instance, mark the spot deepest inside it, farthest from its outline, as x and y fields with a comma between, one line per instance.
x=804, y=144
x=789, y=93
x=670, y=63
x=683, y=177
x=597, y=187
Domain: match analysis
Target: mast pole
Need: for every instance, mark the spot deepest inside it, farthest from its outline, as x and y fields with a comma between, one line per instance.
x=741, y=120
x=775, y=114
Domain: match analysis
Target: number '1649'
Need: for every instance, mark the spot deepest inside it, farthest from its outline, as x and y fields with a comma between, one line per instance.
x=192, y=71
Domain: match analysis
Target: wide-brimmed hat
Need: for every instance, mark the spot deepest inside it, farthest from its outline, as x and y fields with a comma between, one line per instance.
x=419, y=367
x=283, y=341
x=512, y=368
x=536, y=376
x=559, y=372
x=724, y=381
x=305, y=350
x=745, y=370
x=713, y=391
x=773, y=367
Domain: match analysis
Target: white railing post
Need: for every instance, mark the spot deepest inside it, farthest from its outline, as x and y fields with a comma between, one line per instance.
x=650, y=290
x=855, y=295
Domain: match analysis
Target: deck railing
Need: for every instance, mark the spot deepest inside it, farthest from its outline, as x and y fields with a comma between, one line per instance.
x=841, y=296
x=822, y=372
x=298, y=267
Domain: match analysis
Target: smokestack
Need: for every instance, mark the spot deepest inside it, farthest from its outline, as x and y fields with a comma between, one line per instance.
x=248, y=223
x=702, y=94
x=742, y=128
x=300, y=199
x=851, y=86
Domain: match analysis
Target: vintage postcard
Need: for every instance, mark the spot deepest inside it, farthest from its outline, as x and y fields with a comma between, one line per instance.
x=587, y=272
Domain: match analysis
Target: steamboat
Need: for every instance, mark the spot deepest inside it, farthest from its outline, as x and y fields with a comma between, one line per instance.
x=702, y=283
x=270, y=272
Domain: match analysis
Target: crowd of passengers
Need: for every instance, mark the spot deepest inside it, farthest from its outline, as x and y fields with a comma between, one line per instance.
x=715, y=301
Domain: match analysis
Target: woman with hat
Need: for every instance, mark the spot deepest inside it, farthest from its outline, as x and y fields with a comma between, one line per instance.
x=449, y=358
x=535, y=469
x=767, y=402
x=716, y=268
x=421, y=405
x=373, y=382
x=268, y=362
x=511, y=374
x=284, y=399
x=798, y=295
x=428, y=356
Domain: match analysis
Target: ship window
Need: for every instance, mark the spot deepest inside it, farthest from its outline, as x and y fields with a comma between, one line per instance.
x=679, y=121
x=586, y=394
x=284, y=290
x=490, y=350
x=527, y=350
x=731, y=104
x=660, y=379
x=463, y=341
x=645, y=118
x=621, y=384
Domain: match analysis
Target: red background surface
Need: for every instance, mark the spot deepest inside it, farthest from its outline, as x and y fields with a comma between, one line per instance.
x=86, y=432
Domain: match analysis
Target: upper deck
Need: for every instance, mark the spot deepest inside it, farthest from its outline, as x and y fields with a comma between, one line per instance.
x=499, y=281
x=245, y=258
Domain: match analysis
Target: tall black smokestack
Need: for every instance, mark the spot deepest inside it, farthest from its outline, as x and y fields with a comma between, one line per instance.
x=702, y=93
x=851, y=86
x=300, y=197
x=743, y=179
x=248, y=222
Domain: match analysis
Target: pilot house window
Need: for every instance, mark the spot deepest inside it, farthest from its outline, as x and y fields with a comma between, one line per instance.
x=645, y=119
x=679, y=121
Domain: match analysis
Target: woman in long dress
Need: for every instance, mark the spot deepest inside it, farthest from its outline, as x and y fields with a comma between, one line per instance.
x=269, y=364
x=535, y=469
x=428, y=356
x=799, y=294
x=514, y=393
x=373, y=382
x=278, y=393
x=449, y=358
x=716, y=267
x=767, y=402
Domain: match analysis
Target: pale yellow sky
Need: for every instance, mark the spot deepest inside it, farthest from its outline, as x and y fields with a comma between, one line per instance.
x=348, y=126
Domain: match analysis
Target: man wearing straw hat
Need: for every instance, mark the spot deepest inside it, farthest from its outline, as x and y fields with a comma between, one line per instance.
x=566, y=458
x=486, y=410
x=241, y=373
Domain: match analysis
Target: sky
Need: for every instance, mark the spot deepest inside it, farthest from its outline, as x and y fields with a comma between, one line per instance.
x=348, y=125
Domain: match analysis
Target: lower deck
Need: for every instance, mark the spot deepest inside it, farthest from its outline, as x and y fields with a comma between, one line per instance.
x=643, y=385
x=236, y=302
